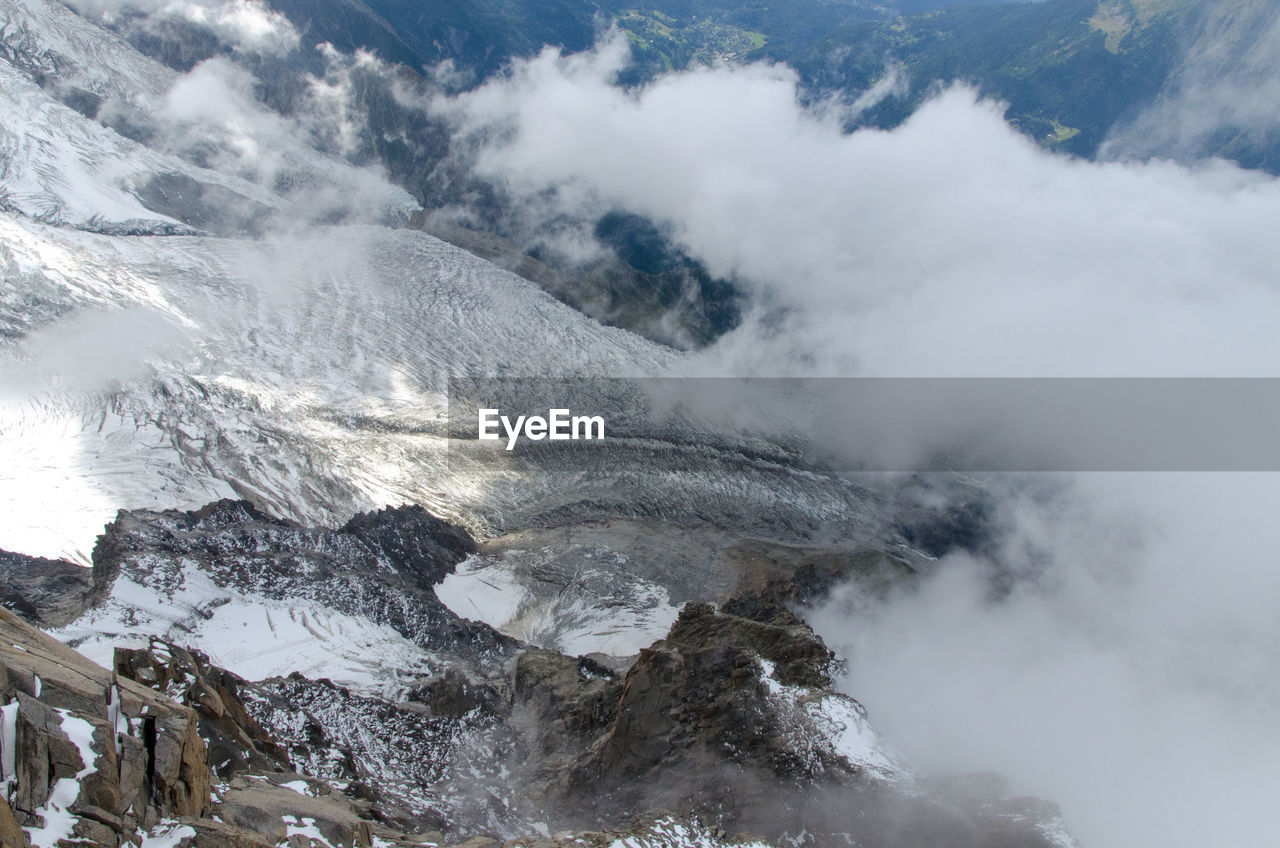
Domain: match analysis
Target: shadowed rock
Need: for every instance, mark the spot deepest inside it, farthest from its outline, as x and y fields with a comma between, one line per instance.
x=45, y=592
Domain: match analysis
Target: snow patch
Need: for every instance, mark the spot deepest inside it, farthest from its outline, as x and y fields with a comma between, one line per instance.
x=249, y=635
x=167, y=834
x=839, y=721
x=9, y=747
x=592, y=611
x=306, y=829
x=670, y=833
x=56, y=813
x=853, y=737
x=1055, y=831
x=477, y=591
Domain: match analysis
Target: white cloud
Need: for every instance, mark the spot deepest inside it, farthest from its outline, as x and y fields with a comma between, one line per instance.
x=1129, y=675
x=949, y=246
x=93, y=350
x=211, y=116
x=244, y=24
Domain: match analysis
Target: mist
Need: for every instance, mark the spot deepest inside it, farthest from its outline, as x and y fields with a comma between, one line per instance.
x=950, y=246
x=93, y=350
x=1126, y=670
x=1128, y=675
x=243, y=24
x=1115, y=651
x=1224, y=89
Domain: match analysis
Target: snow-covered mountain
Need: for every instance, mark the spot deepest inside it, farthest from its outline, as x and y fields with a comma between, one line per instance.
x=205, y=303
x=149, y=365
x=352, y=677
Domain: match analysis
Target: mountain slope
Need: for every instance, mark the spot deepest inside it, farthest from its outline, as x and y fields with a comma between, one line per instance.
x=307, y=367
x=728, y=718
x=1222, y=98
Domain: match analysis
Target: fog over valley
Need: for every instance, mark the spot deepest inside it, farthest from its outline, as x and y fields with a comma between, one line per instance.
x=306, y=309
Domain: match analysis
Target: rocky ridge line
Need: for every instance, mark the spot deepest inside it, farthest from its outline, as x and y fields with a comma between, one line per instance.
x=730, y=720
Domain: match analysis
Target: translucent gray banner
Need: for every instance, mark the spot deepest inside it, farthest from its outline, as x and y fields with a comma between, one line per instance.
x=881, y=424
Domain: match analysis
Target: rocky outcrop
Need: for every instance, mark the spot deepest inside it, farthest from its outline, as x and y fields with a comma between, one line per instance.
x=271, y=810
x=45, y=592
x=723, y=717
x=415, y=768
x=773, y=579
x=413, y=764
x=734, y=723
x=237, y=744
x=415, y=542
x=701, y=693
x=732, y=720
x=381, y=566
x=96, y=758
x=88, y=755
x=562, y=705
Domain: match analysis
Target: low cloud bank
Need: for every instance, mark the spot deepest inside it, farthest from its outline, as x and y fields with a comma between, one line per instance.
x=244, y=24
x=1116, y=652
x=950, y=246
x=1128, y=674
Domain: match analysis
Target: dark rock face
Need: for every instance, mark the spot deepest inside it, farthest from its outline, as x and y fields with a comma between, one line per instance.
x=237, y=744
x=380, y=566
x=411, y=764
x=775, y=579
x=733, y=722
x=416, y=542
x=728, y=720
x=416, y=768
x=452, y=695
x=562, y=704
x=102, y=759
x=45, y=592
x=695, y=725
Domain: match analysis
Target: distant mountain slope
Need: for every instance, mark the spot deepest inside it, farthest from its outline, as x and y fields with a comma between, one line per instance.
x=477, y=35
x=1075, y=72
x=1224, y=96
x=1069, y=69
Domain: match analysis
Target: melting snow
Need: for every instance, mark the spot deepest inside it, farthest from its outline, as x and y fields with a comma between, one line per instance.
x=167, y=834
x=840, y=722
x=58, y=820
x=306, y=829
x=252, y=636
x=299, y=786
x=592, y=612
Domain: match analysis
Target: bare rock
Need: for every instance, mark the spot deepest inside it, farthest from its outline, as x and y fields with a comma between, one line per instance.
x=288, y=805
x=45, y=592
x=236, y=742
x=145, y=760
x=11, y=835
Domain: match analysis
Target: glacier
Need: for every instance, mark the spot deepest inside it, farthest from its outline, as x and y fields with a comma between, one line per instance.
x=247, y=324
